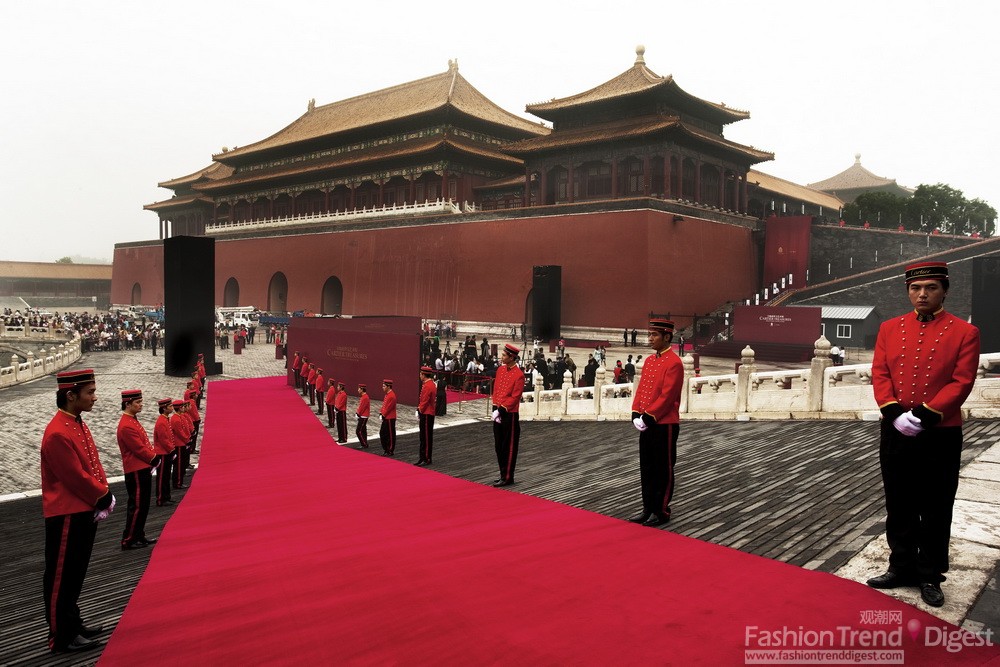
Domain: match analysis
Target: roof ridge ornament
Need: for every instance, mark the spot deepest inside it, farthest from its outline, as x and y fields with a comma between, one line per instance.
x=640, y=52
x=311, y=106
x=452, y=64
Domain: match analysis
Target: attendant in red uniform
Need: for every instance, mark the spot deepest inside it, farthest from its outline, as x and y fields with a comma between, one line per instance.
x=163, y=443
x=311, y=384
x=75, y=496
x=192, y=395
x=319, y=383
x=364, y=409
x=507, y=389
x=425, y=414
x=138, y=460
x=923, y=369
x=296, y=365
x=305, y=376
x=340, y=403
x=387, y=430
x=196, y=382
x=330, y=399
x=655, y=415
x=181, y=426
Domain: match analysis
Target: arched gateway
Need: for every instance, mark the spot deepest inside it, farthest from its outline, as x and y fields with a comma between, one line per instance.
x=332, y=300
x=277, y=293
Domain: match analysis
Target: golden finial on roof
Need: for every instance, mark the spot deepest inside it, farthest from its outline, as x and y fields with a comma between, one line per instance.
x=857, y=158
x=311, y=106
x=640, y=51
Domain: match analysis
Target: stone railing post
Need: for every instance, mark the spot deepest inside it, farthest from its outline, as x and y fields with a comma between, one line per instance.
x=567, y=384
x=45, y=361
x=598, y=383
x=747, y=366
x=31, y=364
x=820, y=362
x=538, y=385
x=688, y=363
x=15, y=361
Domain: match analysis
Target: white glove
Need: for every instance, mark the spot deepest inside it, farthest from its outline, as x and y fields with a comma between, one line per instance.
x=417, y=413
x=101, y=515
x=639, y=424
x=907, y=424
x=496, y=416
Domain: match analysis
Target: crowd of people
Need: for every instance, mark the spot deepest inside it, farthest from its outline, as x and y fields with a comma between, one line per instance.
x=103, y=332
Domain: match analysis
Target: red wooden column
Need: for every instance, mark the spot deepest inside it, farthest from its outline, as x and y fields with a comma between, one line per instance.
x=614, y=177
x=412, y=178
x=666, y=176
x=526, y=193
x=646, y=176
x=352, y=187
x=570, y=182
x=543, y=187
x=743, y=194
x=697, y=181
x=381, y=191
x=291, y=195
x=444, y=184
x=326, y=199
x=722, y=187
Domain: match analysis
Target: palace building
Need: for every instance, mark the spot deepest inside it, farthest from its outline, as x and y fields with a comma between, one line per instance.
x=427, y=199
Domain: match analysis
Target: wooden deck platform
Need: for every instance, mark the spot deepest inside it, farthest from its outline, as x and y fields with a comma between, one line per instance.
x=805, y=492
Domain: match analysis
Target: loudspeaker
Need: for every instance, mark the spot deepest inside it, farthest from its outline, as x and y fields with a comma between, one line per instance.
x=546, y=302
x=986, y=301
x=189, y=304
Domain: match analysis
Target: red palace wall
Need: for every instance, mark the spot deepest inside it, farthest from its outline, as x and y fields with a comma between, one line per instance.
x=616, y=268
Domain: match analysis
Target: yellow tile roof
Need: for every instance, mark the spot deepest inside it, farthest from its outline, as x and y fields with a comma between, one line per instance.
x=794, y=190
x=54, y=270
x=408, y=99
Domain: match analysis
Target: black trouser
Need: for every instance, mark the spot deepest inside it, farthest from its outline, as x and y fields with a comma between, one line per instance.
x=387, y=435
x=341, y=426
x=69, y=541
x=506, y=437
x=321, y=404
x=180, y=465
x=362, y=431
x=657, y=456
x=312, y=395
x=920, y=478
x=331, y=415
x=163, y=477
x=426, y=437
x=138, y=485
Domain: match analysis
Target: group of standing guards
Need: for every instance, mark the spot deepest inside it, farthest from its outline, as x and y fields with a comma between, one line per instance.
x=76, y=495
x=507, y=389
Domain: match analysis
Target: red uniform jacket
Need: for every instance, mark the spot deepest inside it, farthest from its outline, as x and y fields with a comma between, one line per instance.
x=659, y=392
x=197, y=384
x=182, y=427
x=319, y=383
x=930, y=366
x=508, y=387
x=311, y=378
x=388, y=410
x=73, y=478
x=428, y=398
x=163, y=436
x=340, y=403
x=331, y=396
x=364, y=406
x=137, y=451
x=296, y=363
x=191, y=396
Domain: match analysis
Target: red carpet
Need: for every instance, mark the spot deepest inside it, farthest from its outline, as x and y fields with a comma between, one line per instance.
x=291, y=550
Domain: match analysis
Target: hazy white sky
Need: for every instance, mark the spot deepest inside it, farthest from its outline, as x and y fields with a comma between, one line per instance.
x=102, y=100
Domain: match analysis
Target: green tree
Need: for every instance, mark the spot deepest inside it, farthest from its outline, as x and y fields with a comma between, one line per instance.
x=64, y=260
x=879, y=209
x=937, y=207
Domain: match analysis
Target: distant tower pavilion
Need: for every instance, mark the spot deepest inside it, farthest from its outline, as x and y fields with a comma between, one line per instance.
x=855, y=181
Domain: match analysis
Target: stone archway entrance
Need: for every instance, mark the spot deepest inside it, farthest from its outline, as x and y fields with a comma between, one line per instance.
x=332, y=299
x=231, y=295
x=136, y=294
x=277, y=293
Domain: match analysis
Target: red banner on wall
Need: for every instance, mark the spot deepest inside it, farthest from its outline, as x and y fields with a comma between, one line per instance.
x=786, y=249
x=766, y=324
x=362, y=350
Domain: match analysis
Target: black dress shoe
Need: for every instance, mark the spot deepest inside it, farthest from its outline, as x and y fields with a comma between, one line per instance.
x=931, y=594
x=79, y=643
x=656, y=520
x=89, y=632
x=641, y=518
x=129, y=546
x=421, y=462
x=146, y=541
x=892, y=580
x=502, y=482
